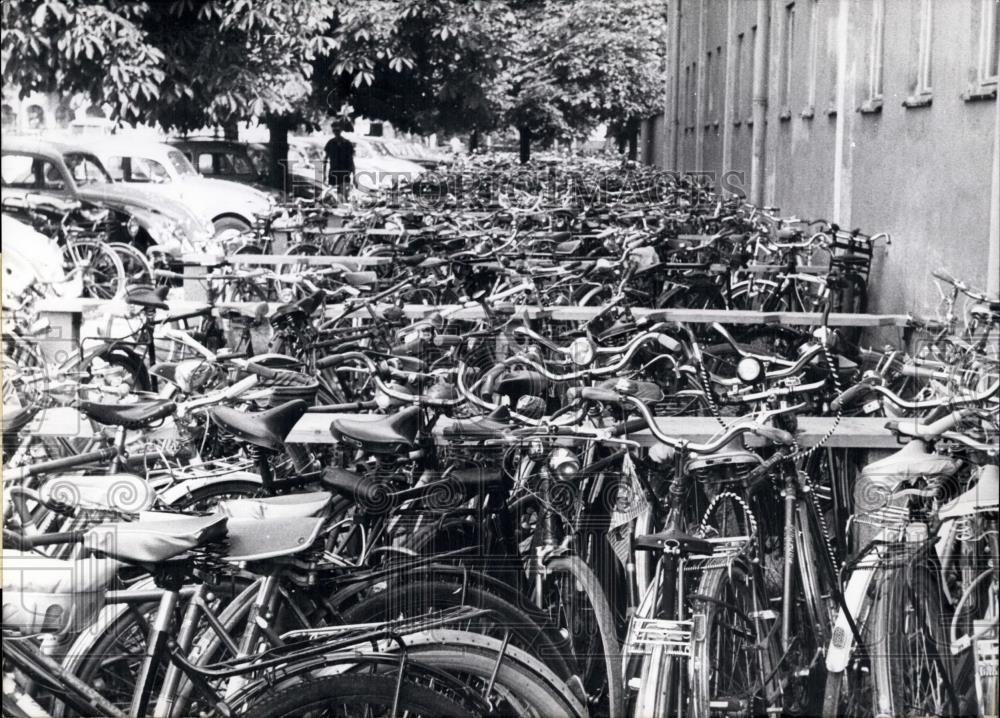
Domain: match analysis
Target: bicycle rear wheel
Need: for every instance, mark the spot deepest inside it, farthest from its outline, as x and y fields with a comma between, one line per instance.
x=353, y=695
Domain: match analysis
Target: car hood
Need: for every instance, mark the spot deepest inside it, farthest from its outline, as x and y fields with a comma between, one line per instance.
x=151, y=199
x=211, y=197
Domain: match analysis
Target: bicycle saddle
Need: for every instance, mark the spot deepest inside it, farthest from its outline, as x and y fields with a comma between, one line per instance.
x=256, y=539
x=673, y=542
x=119, y=492
x=568, y=247
x=131, y=416
x=300, y=309
x=645, y=391
x=155, y=537
x=399, y=429
x=266, y=429
x=486, y=427
x=16, y=418
x=518, y=383
x=148, y=298
x=301, y=506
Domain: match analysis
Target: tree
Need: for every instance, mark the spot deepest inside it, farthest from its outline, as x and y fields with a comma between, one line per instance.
x=182, y=64
x=577, y=63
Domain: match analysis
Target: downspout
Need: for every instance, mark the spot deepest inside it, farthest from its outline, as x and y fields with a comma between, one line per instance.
x=672, y=117
x=760, y=64
x=993, y=276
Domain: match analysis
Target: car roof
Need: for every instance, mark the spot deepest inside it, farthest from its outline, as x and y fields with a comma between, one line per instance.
x=38, y=146
x=124, y=146
x=208, y=144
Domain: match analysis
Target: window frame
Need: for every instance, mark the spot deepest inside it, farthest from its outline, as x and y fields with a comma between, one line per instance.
x=737, y=98
x=787, y=50
x=875, y=75
x=809, y=111
x=984, y=85
x=921, y=71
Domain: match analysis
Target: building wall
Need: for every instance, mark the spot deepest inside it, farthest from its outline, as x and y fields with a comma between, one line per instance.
x=915, y=162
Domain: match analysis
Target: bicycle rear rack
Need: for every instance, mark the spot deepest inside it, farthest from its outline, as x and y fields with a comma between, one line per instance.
x=646, y=633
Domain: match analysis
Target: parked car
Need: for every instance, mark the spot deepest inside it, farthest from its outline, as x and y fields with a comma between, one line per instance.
x=413, y=152
x=236, y=162
x=69, y=170
x=159, y=167
x=374, y=168
x=31, y=257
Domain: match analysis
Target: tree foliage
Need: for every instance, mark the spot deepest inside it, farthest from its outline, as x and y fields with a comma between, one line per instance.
x=550, y=67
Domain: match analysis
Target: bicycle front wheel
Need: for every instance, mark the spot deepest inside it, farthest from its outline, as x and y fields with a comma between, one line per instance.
x=735, y=654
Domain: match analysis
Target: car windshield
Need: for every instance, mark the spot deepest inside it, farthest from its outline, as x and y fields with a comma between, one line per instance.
x=136, y=169
x=86, y=169
x=181, y=163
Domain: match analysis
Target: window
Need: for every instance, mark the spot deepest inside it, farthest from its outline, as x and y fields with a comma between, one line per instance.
x=832, y=62
x=205, y=165
x=810, y=109
x=988, y=61
x=27, y=172
x=920, y=78
x=787, y=58
x=717, y=84
x=873, y=94
x=181, y=163
x=736, y=101
x=86, y=169
x=136, y=169
x=687, y=97
x=751, y=54
x=709, y=90
x=17, y=171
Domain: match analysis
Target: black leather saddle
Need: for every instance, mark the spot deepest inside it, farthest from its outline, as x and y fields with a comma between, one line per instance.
x=131, y=416
x=395, y=432
x=479, y=427
x=148, y=298
x=16, y=419
x=266, y=429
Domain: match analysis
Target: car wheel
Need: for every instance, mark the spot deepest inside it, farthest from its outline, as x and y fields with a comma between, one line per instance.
x=227, y=227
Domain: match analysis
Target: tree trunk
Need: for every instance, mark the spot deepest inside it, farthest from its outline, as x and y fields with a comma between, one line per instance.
x=474, y=141
x=633, y=143
x=231, y=131
x=620, y=142
x=278, y=144
x=524, y=134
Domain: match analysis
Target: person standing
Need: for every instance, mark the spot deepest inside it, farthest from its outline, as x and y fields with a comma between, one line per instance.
x=340, y=160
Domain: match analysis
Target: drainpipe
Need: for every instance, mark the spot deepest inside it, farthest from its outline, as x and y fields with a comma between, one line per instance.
x=993, y=277
x=760, y=64
x=672, y=116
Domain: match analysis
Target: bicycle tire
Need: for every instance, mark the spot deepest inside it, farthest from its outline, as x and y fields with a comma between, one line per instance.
x=914, y=596
x=353, y=691
x=529, y=686
x=588, y=582
x=720, y=588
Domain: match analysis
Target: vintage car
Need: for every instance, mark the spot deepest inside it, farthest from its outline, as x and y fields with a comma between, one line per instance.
x=159, y=167
x=68, y=170
x=374, y=168
x=241, y=162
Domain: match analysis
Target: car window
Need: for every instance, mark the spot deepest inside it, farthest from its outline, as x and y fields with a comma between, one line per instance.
x=181, y=163
x=115, y=167
x=86, y=169
x=147, y=170
x=235, y=164
x=17, y=171
x=205, y=164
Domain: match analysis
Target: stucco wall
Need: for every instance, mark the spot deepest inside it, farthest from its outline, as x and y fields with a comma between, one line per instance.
x=919, y=173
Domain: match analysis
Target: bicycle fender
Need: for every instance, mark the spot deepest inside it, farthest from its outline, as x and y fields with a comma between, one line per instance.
x=842, y=639
x=185, y=488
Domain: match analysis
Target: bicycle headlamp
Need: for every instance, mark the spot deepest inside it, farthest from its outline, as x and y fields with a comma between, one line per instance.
x=132, y=226
x=749, y=370
x=564, y=463
x=581, y=351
